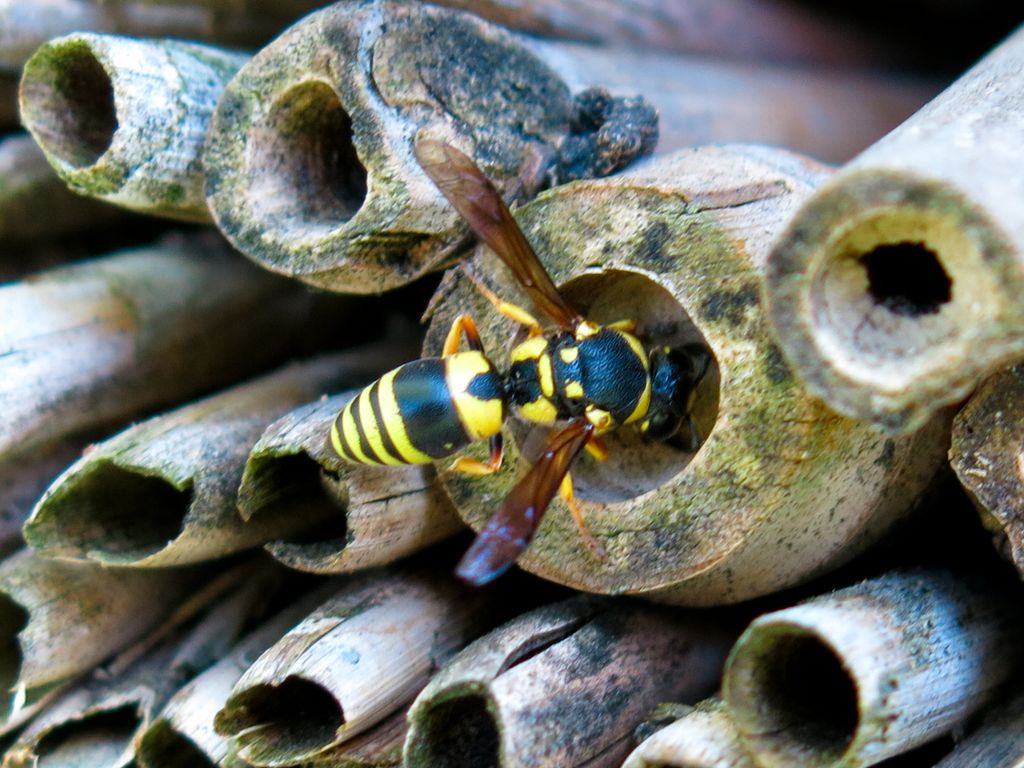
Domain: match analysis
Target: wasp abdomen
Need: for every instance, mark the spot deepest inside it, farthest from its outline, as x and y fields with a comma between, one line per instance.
x=421, y=411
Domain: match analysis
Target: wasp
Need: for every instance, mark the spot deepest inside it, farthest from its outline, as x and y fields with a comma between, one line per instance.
x=579, y=377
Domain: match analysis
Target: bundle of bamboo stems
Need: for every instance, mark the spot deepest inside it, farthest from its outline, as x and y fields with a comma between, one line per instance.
x=207, y=582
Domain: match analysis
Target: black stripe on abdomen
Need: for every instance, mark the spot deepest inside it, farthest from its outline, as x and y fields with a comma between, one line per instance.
x=427, y=410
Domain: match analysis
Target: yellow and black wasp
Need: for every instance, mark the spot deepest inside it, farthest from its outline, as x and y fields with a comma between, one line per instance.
x=585, y=377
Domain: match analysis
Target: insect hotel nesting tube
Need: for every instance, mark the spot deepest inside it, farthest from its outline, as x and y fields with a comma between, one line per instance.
x=898, y=286
x=781, y=488
x=705, y=737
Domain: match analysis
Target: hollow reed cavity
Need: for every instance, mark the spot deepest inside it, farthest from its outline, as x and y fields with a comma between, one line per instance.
x=164, y=747
x=102, y=739
x=460, y=732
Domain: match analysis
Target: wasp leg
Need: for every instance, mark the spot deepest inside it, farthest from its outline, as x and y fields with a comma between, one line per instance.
x=467, y=465
x=462, y=324
x=597, y=448
x=509, y=310
x=565, y=490
x=627, y=326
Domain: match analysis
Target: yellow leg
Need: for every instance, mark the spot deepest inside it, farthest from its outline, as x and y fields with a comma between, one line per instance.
x=476, y=468
x=461, y=324
x=577, y=515
x=509, y=310
x=597, y=448
x=626, y=326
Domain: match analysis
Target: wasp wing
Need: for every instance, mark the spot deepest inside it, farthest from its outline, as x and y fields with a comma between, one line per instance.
x=509, y=531
x=478, y=202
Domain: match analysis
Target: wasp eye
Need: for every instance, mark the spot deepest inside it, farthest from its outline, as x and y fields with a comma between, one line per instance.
x=660, y=426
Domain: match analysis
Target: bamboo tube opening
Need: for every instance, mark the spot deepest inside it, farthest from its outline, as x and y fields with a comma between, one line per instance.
x=796, y=696
x=120, y=512
x=633, y=466
x=459, y=732
x=297, y=482
x=68, y=99
x=306, y=176
x=166, y=747
x=98, y=740
x=297, y=716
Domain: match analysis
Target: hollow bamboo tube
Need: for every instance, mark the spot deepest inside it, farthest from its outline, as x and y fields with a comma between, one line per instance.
x=28, y=186
x=351, y=663
x=562, y=685
x=998, y=742
x=871, y=671
x=830, y=115
x=123, y=120
x=373, y=516
x=97, y=342
x=705, y=737
x=897, y=287
x=987, y=457
x=183, y=468
x=60, y=619
x=781, y=488
x=182, y=735
x=95, y=722
x=380, y=747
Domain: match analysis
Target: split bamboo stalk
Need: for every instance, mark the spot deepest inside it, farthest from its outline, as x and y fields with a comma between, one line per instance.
x=705, y=737
x=29, y=186
x=310, y=168
x=873, y=670
x=123, y=120
x=781, y=488
x=373, y=515
x=100, y=341
x=350, y=664
x=562, y=685
x=61, y=619
x=164, y=491
x=997, y=743
x=988, y=457
x=182, y=735
x=94, y=724
x=898, y=286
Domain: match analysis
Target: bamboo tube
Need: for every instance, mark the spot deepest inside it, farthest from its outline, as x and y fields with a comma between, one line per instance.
x=373, y=515
x=986, y=456
x=380, y=747
x=562, y=685
x=897, y=287
x=124, y=120
x=871, y=671
x=94, y=723
x=781, y=488
x=182, y=735
x=997, y=743
x=97, y=342
x=184, y=469
x=705, y=737
x=352, y=662
x=27, y=186
x=60, y=619
x=830, y=115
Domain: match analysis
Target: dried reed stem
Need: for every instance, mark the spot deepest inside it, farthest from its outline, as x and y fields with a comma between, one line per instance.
x=998, y=742
x=562, y=685
x=351, y=663
x=372, y=515
x=124, y=120
x=705, y=737
x=781, y=488
x=898, y=286
x=183, y=468
x=871, y=671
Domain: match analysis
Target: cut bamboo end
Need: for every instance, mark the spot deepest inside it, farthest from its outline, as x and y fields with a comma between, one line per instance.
x=781, y=488
x=371, y=515
x=705, y=737
x=309, y=160
x=124, y=120
x=350, y=664
x=987, y=457
x=871, y=671
x=184, y=469
x=562, y=685
x=897, y=286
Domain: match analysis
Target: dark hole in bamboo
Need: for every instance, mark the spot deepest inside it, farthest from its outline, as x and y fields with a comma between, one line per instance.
x=70, y=104
x=96, y=740
x=459, y=732
x=298, y=716
x=634, y=466
x=803, y=696
x=164, y=747
x=288, y=484
x=906, y=278
x=13, y=619
x=121, y=512
x=305, y=170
